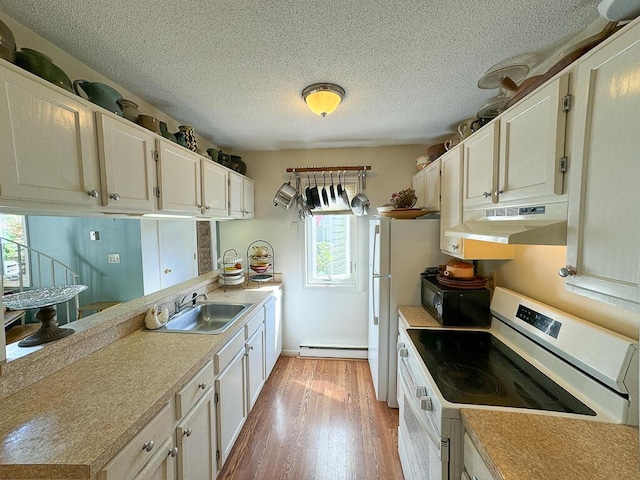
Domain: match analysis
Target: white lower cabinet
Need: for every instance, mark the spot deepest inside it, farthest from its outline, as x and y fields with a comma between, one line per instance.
x=272, y=333
x=231, y=403
x=474, y=466
x=148, y=451
x=196, y=439
x=255, y=365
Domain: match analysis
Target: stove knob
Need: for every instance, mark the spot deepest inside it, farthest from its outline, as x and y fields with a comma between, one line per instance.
x=425, y=404
x=421, y=391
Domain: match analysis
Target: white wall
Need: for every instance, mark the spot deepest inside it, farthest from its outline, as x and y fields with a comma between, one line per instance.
x=319, y=315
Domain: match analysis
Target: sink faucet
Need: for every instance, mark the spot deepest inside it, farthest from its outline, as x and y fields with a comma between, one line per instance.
x=191, y=300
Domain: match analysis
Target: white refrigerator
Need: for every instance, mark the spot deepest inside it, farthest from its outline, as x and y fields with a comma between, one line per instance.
x=398, y=252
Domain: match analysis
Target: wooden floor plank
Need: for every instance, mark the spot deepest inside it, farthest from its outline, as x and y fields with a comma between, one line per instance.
x=317, y=419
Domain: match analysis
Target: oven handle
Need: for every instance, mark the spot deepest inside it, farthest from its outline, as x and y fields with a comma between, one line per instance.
x=413, y=401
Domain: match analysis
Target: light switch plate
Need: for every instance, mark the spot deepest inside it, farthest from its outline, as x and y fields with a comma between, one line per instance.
x=94, y=235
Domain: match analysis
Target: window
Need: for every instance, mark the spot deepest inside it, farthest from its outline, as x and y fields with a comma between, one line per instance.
x=331, y=250
x=14, y=261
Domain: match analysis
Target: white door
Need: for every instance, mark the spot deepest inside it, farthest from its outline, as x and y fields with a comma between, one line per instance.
x=179, y=179
x=177, y=244
x=603, y=234
x=127, y=166
x=480, y=167
x=532, y=137
x=48, y=144
x=214, y=190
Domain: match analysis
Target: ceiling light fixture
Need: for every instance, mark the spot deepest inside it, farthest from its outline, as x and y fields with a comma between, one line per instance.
x=323, y=98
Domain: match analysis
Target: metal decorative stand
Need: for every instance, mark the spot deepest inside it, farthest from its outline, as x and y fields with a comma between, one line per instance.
x=261, y=260
x=44, y=299
x=229, y=273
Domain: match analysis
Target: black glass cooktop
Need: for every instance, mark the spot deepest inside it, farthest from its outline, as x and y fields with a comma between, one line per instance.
x=477, y=368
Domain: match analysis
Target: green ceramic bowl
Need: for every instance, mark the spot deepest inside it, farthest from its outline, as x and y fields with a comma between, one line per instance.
x=41, y=65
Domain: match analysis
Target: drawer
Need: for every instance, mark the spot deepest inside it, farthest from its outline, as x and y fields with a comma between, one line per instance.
x=254, y=324
x=226, y=354
x=134, y=456
x=473, y=462
x=189, y=395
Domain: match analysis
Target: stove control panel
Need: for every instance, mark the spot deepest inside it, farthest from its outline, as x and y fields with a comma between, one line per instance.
x=543, y=323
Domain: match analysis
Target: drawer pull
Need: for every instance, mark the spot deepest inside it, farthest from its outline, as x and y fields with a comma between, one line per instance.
x=173, y=452
x=148, y=446
x=188, y=432
x=202, y=385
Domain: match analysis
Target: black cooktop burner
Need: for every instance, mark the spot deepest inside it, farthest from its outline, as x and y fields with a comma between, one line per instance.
x=477, y=368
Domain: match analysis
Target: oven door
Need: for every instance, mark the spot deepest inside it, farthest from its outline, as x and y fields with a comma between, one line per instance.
x=419, y=445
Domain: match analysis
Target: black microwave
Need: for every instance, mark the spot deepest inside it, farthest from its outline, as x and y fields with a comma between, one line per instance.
x=455, y=306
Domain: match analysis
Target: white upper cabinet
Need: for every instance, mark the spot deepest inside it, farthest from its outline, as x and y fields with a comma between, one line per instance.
x=419, y=186
x=532, y=138
x=241, y=196
x=603, y=240
x=432, y=186
x=127, y=167
x=480, y=165
x=215, y=190
x=519, y=157
x=48, y=152
x=178, y=179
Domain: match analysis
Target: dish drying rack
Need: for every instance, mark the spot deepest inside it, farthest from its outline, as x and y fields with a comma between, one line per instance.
x=261, y=260
x=230, y=274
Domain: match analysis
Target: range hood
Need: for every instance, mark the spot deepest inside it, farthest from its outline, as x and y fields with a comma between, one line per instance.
x=544, y=224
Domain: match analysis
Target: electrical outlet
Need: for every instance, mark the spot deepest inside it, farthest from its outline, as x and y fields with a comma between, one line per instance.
x=113, y=258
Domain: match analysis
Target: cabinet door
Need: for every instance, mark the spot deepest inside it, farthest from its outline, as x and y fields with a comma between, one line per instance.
x=273, y=335
x=255, y=366
x=604, y=227
x=532, y=137
x=177, y=249
x=214, y=190
x=179, y=179
x=235, y=195
x=48, y=149
x=127, y=169
x=248, y=199
x=196, y=436
x=432, y=186
x=231, y=407
x=451, y=201
x=162, y=466
x=419, y=186
x=480, y=167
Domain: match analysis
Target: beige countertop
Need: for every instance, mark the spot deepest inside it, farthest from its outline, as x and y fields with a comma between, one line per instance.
x=524, y=446
x=72, y=422
x=417, y=317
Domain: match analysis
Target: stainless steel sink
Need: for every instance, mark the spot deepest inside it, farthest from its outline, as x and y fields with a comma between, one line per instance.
x=207, y=317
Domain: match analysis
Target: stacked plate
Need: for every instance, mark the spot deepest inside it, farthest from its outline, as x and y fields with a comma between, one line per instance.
x=467, y=283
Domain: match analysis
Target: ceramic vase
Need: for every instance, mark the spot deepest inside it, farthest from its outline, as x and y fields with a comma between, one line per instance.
x=188, y=135
x=7, y=43
x=129, y=109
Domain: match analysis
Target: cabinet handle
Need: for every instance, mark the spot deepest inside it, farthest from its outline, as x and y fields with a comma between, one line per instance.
x=148, y=446
x=93, y=193
x=167, y=270
x=454, y=247
x=188, y=432
x=173, y=452
x=115, y=197
x=207, y=207
x=486, y=194
x=498, y=192
x=202, y=385
x=568, y=271
x=200, y=206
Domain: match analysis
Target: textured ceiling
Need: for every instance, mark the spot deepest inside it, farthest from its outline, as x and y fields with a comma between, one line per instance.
x=235, y=69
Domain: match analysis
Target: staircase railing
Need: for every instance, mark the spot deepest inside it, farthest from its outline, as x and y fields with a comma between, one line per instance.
x=36, y=269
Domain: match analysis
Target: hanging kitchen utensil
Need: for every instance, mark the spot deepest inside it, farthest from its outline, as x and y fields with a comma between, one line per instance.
x=307, y=193
x=315, y=195
x=325, y=196
x=360, y=203
x=332, y=191
x=285, y=196
x=345, y=197
x=339, y=188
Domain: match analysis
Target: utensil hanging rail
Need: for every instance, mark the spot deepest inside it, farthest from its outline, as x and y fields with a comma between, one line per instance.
x=351, y=168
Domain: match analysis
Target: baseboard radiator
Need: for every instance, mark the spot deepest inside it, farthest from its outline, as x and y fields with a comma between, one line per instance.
x=332, y=351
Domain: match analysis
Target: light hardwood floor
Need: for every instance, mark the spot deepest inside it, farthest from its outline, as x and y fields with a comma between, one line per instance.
x=317, y=419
